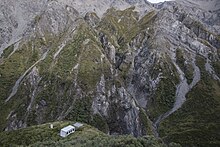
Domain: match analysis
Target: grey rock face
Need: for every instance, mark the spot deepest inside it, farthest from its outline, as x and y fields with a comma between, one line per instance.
x=17, y=20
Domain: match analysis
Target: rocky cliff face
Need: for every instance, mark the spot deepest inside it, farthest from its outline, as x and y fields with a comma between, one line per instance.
x=128, y=67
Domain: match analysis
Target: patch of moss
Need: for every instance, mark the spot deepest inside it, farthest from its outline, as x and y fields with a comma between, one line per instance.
x=8, y=51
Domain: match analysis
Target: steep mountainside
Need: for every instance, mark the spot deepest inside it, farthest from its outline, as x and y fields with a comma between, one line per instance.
x=125, y=67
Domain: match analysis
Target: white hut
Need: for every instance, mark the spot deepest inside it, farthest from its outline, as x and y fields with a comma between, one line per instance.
x=67, y=131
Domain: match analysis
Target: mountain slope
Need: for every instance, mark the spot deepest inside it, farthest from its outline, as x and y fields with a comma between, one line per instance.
x=42, y=135
x=133, y=67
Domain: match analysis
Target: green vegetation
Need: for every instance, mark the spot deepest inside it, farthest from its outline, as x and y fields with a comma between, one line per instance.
x=56, y=88
x=37, y=19
x=57, y=75
x=27, y=54
x=18, y=62
x=186, y=68
x=146, y=122
x=100, y=123
x=124, y=26
x=118, y=24
x=32, y=134
x=90, y=71
x=81, y=110
x=42, y=135
x=143, y=22
x=189, y=71
x=205, y=42
x=197, y=122
x=180, y=60
x=8, y=51
x=216, y=66
x=164, y=97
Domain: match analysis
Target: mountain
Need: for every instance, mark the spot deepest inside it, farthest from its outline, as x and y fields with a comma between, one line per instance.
x=209, y=5
x=124, y=67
